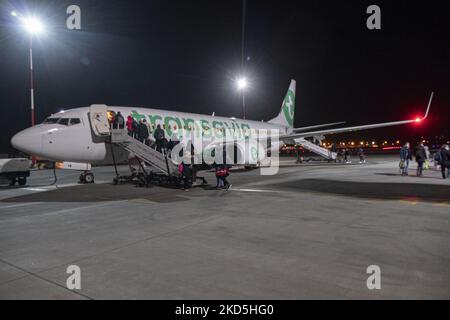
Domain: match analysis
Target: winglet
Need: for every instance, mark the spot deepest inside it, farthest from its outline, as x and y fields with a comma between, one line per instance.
x=429, y=106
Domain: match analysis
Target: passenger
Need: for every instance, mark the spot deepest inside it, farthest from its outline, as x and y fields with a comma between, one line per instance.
x=186, y=175
x=226, y=184
x=112, y=121
x=129, y=125
x=347, y=156
x=219, y=173
x=148, y=131
x=405, y=157
x=159, y=137
x=419, y=153
x=362, y=156
x=143, y=133
x=222, y=172
x=135, y=129
x=445, y=161
x=437, y=158
x=119, y=121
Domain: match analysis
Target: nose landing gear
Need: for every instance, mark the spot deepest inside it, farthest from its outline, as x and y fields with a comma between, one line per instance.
x=86, y=177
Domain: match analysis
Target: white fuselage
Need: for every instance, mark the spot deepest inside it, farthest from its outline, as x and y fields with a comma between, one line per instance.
x=68, y=136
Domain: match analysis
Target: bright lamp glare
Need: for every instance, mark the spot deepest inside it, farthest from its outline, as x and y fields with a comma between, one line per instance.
x=418, y=120
x=242, y=84
x=33, y=25
x=14, y=14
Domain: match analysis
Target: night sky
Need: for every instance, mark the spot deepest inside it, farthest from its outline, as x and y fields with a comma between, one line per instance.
x=183, y=55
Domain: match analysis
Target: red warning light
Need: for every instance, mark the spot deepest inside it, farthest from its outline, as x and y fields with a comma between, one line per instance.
x=418, y=120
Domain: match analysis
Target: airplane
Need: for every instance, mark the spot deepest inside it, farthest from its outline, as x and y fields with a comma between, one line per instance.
x=79, y=135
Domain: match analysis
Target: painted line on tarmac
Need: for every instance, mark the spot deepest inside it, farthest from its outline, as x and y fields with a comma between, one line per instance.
x=57, y=186
x=69, y=210
x=142, y=201
x=256, y=190
x=20, y=205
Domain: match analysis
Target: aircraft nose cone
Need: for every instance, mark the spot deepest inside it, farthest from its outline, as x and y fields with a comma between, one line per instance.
x=28, y=141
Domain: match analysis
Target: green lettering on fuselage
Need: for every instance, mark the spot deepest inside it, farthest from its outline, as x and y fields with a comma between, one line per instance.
x=178, y=128
x=246, y=130
x=218, y=129
x=206, y=129
x=153, y=120
x=137, y=116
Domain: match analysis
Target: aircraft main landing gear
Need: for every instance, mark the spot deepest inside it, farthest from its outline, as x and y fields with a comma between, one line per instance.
x=86, y=177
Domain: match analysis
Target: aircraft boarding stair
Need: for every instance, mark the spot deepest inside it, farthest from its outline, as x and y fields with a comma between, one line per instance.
x=157, y=160
x=317, y=149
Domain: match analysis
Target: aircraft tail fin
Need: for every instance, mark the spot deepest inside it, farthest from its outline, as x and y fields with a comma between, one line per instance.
x=286, y=115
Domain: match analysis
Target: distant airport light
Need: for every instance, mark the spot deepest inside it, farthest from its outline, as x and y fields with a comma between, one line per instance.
x=242, y=84
x=33, y=25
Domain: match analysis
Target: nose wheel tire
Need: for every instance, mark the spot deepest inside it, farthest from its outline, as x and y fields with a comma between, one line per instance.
x=87, y=177
x=22, y=181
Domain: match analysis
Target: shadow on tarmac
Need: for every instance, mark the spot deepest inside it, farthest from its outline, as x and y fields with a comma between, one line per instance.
x=101, y=193
x=373, y=190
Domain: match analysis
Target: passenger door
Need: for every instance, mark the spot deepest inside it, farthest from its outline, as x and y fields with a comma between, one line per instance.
x=98, y=116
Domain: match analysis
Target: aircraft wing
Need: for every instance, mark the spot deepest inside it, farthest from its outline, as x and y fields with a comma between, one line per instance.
x=356, y=128
x=296, y=130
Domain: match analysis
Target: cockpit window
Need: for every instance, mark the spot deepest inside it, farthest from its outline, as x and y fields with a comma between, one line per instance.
x=64, y=121
x=75, y=121
x=51, y=120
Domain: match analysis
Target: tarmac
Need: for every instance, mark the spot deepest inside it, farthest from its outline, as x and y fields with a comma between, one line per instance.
x=309, y=232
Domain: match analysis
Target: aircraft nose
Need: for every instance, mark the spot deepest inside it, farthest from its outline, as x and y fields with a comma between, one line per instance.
x=28, y=141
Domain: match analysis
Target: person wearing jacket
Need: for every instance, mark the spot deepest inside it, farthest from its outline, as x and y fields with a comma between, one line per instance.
x=405, y=156
x=130, y=127
x=119, y=121
x=445, y=161
x=222, y=172
x=421, y=156
x=186, y=175
x=159, y=136
x=143, y=133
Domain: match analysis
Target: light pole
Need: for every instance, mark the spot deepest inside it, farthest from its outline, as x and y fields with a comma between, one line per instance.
x=33, y=26
x=242, y=85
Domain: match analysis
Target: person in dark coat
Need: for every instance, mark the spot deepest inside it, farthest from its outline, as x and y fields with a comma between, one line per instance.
x=405, y=157
x=362, y=156
x=421, y=156
x=346, y=156
x=143, y=133
x=186, y=175
x=445, y=161
x=159, y=136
